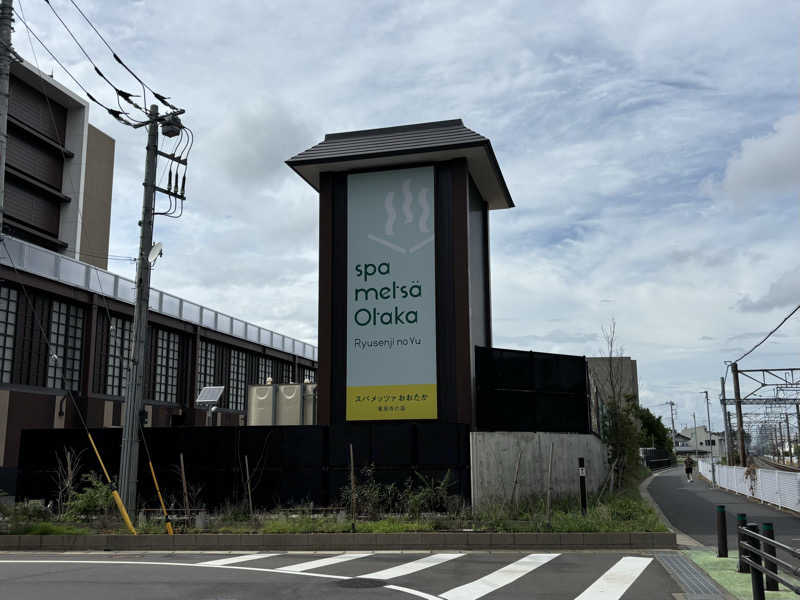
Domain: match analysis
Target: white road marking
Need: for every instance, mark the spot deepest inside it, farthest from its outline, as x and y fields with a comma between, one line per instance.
x=322, y=562
x=497, y=579
x=411, y=592
x=232, y=560
x=165, y=564
x=615, y=582
x=412, y=567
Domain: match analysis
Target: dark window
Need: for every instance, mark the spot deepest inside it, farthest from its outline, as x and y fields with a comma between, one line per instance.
x=264, y=369
x=66, y=341
x=119, y=352
x=8, y=326
x=208, y=363
x=166, y=379
x=236, y=382
x=286, y=372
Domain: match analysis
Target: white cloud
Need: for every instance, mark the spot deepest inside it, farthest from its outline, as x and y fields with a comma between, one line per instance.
x=606, y=119
x=766, y=167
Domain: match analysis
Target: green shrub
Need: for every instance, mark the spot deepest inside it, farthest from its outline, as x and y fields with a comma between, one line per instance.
x=95, y=500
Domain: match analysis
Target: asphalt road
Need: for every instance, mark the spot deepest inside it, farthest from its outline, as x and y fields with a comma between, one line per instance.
x=691, y=508
x=595, y=575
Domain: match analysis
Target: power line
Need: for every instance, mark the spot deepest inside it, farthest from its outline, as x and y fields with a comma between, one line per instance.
x=117, y=114
x=120, y=93
x=158, y=96
x=766, y=337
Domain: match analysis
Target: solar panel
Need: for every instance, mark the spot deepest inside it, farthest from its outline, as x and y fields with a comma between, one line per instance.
x=209, y=395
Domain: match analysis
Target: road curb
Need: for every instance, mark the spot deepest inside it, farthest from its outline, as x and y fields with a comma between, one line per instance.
x=342, y=542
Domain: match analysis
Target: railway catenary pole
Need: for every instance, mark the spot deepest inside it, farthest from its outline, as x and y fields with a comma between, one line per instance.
x=739, y=421
x=727, y=425
x=789, y=439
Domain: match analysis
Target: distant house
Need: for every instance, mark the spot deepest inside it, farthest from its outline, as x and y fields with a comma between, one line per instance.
x=701, y=441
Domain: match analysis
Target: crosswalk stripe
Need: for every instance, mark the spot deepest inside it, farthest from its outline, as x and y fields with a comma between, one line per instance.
x=322, y=562
x=497, y=579
x=412, y=567
x=614, y=582
x=231, y=560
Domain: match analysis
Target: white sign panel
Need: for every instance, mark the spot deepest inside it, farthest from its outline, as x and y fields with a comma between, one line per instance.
x=391, y=302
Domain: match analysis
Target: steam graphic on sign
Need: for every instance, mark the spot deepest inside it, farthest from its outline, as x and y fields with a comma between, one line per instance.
x=423, y=225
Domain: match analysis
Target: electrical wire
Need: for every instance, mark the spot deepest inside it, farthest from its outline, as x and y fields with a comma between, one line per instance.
x=117, y=114
x=126, y=96
x=766, y=337
x=162, y=99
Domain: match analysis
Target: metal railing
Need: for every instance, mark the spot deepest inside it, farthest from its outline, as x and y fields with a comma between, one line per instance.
x=758, y=555
x=781, y=488
x=51, y=265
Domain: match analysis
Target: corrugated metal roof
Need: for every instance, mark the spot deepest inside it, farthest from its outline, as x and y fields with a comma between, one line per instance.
x=410, y=138
x=390, y=147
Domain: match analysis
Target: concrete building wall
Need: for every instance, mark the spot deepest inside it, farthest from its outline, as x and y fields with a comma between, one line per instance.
x=494, y=457
x=624, y=372
x=97, y=198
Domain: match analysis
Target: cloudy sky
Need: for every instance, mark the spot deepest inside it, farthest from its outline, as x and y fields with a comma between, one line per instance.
x=652, y=150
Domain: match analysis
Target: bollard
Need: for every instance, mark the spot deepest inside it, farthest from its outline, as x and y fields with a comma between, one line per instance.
x=756, y=576
x=582, y=475
x=741, y=521
x=722, y=532
x=767, y=530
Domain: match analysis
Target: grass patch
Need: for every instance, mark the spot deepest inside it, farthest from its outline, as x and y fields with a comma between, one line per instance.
x=625, y=511
x=723, y=571
x=46, y=528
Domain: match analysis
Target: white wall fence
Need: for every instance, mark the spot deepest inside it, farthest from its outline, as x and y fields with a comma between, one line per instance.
x=780, y=488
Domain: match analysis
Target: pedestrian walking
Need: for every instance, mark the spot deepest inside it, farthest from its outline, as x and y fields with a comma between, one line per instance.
x=689, y=466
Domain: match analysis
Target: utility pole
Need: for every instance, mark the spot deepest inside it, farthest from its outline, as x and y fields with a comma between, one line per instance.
x=672, y=420
x=739, y=420
x=713, y=468
x=727, y=425
x=6, y=17
x=134, y=397
x=789, y=439
x=695, y=437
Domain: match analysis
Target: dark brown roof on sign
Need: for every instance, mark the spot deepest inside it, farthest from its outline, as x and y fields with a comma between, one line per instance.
x=405, y=138
x=391, y=146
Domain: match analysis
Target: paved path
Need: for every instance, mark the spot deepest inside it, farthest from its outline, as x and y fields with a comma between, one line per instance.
x=691, y=508
x=596, y=575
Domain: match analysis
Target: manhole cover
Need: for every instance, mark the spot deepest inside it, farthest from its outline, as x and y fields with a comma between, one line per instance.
x=361, y=582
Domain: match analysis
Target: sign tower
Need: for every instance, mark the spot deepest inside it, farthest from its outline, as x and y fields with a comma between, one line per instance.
x=404, y=292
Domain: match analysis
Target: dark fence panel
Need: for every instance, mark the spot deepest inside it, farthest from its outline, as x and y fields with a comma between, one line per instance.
x=289, y=465
x=531, y=391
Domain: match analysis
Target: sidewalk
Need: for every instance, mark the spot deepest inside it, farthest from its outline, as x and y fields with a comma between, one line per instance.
x=691, y=509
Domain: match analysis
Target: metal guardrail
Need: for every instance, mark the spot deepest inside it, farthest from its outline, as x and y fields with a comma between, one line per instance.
x=758, y=555
x=51, y=265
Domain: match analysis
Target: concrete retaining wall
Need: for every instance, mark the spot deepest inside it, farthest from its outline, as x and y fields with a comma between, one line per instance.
x=337, y=542
x=494, y=457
